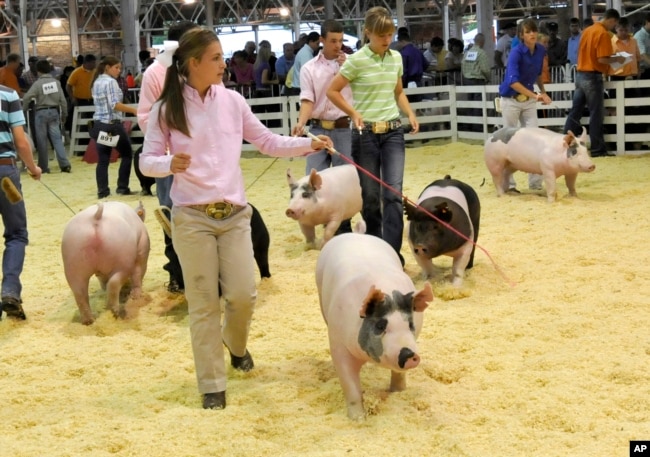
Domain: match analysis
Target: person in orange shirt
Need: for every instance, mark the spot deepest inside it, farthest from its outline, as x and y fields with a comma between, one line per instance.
x=8, y=73
x=624, y=42
x=595, y=54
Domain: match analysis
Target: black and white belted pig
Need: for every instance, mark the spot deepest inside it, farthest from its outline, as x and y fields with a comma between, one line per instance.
x=540, y=151
x=108, y=240
x=325, y=197
x=372, y=312
x=454, y=203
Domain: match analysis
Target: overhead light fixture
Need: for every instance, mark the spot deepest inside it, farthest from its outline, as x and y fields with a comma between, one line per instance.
x=188, y=2
x=284, y=12
x=56, y=23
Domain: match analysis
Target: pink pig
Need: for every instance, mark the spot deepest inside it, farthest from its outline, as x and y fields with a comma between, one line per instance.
x=108, y=240
x=540, y=151
x=372, y=311
x=326, y=197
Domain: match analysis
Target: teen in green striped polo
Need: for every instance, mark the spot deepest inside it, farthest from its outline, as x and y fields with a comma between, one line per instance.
x=375, y=76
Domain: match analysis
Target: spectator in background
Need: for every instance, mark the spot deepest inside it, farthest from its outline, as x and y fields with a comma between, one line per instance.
x=622, y=41
x=413, y=64
x=8, y=76
x=454, y=57
x=398, y=44
x=249, y=49
x=557, y=47
x=435, y=55
x=502, y=50
x=49, y=105
x=284, y=64
x=305, y=54
x=31, y=74
x=476, y=72
x=79, y=84
x=264, y=77
x=574, y=40
x=543, y=39
x=642, y=38
x=587, y=22
x=242, y=73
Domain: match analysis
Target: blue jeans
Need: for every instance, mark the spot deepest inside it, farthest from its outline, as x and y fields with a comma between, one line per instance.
x=104, y=157
x=590, y=93
x=381, y=154
x=173, y=266
x=15, y=222
x=321, y=160
x=48, y=124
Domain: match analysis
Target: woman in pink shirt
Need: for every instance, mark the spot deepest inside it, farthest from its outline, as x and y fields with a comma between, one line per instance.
x=204, y=124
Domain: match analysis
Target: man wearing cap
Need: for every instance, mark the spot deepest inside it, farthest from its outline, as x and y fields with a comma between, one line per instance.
x=503, y=45
x=557, y=47
x=595, y=54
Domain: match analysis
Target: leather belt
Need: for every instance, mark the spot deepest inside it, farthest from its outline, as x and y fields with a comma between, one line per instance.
x=7, y=161
x=41, y=108
x=340, y=123
x=383, y=126
x=218, y=210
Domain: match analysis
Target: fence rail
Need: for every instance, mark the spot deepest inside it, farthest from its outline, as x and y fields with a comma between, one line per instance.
x=447, y=111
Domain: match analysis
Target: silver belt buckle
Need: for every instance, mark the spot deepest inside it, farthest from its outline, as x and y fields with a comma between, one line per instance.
x=219, y=210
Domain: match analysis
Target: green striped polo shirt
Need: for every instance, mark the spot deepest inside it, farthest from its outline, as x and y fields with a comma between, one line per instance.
x=372, y=80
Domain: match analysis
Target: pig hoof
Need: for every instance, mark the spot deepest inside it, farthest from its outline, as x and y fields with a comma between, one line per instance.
x=244, y=363
x=513, y=190
x=215, y=400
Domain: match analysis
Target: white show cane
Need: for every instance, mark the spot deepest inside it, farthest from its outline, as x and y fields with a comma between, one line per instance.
x=315, y=138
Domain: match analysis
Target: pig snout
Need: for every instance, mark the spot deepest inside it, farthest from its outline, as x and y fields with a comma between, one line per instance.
x=420, y=250
x=408, y=359
x=293, y=214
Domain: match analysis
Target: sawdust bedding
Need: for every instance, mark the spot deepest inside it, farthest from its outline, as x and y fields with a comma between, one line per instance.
x=549, y=358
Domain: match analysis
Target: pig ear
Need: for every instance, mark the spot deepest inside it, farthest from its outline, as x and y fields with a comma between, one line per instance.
x=569, y=138
x=315, y=180
x=290, y=179
x=422, y=298
x=374, y=296
x=409, y=209
x=443, y=212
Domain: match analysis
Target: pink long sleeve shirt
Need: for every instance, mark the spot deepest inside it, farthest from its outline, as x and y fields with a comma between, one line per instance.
x=217, y=127
x=151, y=87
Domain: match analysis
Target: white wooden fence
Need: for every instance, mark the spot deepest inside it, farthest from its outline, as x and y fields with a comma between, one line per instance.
x=443, y=113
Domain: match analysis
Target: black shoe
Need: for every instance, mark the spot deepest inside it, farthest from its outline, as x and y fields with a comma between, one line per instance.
x=146, y=192
x=244, y=363
x=123, y=191
x=174, y=287
x=602, y=154
x=66, y=169
x=45, y=171
x=12, y=306
x=513, y=190
x=215, y=400
x=101, y=195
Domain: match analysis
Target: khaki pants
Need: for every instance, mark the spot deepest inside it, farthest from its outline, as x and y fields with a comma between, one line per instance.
x=213, y=252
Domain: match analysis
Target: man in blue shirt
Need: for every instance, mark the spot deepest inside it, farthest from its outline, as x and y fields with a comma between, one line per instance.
x=13, y=141
x=574, y=40
x=305, y=54
x=284, y=64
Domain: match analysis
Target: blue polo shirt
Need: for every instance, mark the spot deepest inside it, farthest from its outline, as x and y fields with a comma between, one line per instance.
x=523, y=67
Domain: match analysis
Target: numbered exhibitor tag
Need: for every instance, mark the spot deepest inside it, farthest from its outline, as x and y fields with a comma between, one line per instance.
x=50, y=88
x=471, y=56
x=106, y=139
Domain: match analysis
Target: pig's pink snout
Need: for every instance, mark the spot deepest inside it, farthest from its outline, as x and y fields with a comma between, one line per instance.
x=591, y=168
x=408, y=359
x=292, y=214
